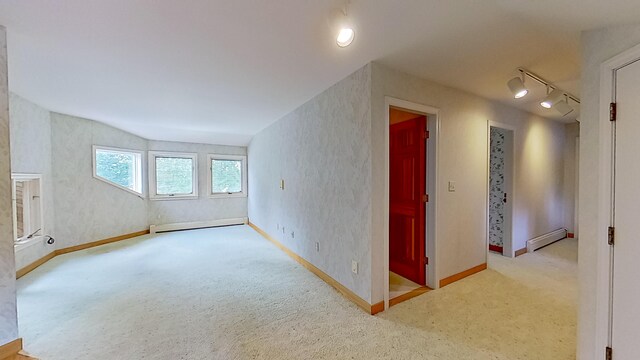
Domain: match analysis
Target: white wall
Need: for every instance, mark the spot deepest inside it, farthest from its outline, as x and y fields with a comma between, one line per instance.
x=8, y=311
x=31, y=154
x=87, y=209
x=461, y=217
x=597, y=47
x=80, y=208
x=332, y=160
x=203, y=208
x=322, y=151
x=572, y=131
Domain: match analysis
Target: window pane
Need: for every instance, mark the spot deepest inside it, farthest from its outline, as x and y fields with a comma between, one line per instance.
x=117, y=167
x=174, y=175
x=226, y=175
x=20, y=208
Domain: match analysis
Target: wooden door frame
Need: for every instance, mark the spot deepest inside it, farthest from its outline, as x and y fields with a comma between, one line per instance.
x=508, y=249
x=604, y=252
x=433, y=126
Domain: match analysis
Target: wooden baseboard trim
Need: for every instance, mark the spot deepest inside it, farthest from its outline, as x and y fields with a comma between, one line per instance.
x=101, y=242
x=29, y=268
x=521, y=251
x=377, y=308
x=11, y=349
x=461, y=275
x=369, y=308
x=410, y=295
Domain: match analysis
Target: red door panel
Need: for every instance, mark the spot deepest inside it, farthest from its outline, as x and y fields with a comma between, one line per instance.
x=407, y=180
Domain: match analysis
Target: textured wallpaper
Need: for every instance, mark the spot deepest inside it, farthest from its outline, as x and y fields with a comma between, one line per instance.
x=31, y=154
x=322, y=151
x=8, y=312
x=461, y=228
x=87, y=209
x=497, y=186
x=203, y=208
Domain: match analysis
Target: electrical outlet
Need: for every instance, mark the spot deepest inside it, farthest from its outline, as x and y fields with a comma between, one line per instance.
x=283, y=229
x=293, y=235
x=281, y=184
x=318, y=246
x=354, y=267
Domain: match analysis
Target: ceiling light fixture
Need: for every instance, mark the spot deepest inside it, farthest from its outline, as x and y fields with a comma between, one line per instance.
x=347, y=33
x=345, y=37
x=516, y=85
x=563, y=107
x=556, y=98
x=551, y=99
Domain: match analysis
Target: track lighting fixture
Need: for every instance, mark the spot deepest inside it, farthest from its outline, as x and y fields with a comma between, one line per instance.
x=516, y=85
x=551, y=99
x=556, y=98
x=563, y=107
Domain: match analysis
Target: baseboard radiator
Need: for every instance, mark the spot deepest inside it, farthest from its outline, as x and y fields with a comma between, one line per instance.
x=196, y=225
x=546, y=239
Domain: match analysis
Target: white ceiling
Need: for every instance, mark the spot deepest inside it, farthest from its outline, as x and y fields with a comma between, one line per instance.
x=220, y=71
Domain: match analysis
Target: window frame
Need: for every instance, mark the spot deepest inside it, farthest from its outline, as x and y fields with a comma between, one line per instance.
x=139, y=175
x=243, y=159
x=20, y=243
x=153, y=190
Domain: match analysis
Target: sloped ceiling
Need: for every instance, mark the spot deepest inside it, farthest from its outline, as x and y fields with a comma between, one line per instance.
x=220, y=71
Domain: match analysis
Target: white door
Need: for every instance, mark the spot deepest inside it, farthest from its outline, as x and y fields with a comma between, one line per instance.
x=626, y=278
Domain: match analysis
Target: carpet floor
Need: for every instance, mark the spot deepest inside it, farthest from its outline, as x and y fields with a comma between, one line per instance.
x=227, y=293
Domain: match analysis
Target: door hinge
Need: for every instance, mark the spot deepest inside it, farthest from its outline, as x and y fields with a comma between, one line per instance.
x=425, y=135
x=613, y=113
x=426, y=260
x=611, y=235
x=425, y=198
x=608, y=353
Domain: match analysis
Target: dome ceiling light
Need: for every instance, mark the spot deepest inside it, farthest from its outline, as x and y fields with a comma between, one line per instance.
x=346, y=32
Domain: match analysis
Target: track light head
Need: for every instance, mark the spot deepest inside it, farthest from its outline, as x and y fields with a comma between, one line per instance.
x=516, y=85
x=563, y=107
x=552, y=99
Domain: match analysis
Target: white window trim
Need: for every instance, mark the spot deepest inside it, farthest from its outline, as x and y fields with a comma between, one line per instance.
x=213, y=195
x=139, y=176
x=152, y=175
x=24, y=242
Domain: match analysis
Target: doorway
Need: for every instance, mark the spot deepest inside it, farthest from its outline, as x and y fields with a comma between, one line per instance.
x=407, y=203
x=623, y=235
x=431, y=168
x=500, y=200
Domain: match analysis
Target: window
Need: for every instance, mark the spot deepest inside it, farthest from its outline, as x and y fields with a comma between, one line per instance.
x=118, y=167
x=27, y=207
x=173, y=175
x=227, y=175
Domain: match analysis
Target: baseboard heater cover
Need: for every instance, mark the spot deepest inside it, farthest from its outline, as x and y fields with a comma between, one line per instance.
x=546, y=239
x=197, y=225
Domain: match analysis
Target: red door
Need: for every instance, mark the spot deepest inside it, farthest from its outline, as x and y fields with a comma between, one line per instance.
x=407, y=198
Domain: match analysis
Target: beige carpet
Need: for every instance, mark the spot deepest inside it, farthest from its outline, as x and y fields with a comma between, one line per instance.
x=227, y=293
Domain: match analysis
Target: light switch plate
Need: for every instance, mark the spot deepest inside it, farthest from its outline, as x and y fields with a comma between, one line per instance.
x=452, y=186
